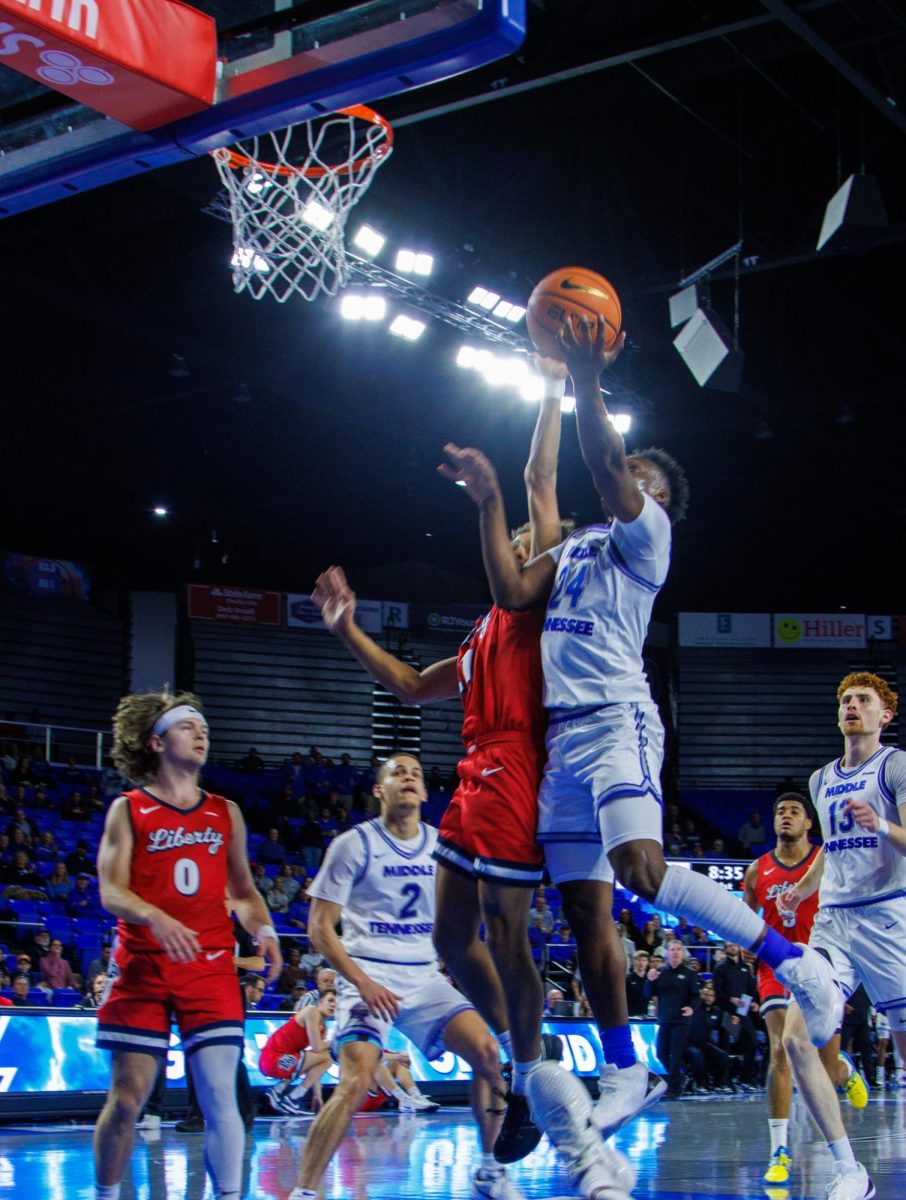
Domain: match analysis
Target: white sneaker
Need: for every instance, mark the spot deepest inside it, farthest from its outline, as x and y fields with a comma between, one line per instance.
x=851, y=1185
x=418, y=1103
x=562, y=1107
x=816, y=991
x=624, y=1094
x=149, y=1121
x=302, y=1194
x=493, y=1185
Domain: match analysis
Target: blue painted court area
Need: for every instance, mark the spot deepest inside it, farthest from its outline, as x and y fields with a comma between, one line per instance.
x=704, y=1147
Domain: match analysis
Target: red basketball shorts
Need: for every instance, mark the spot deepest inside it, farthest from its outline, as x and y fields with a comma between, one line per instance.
x=771, y=992
x=488, y=830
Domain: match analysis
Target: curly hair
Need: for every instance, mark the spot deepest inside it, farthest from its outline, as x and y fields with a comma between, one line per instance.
x=676, y=480
x=132, y=724
x=865, y=679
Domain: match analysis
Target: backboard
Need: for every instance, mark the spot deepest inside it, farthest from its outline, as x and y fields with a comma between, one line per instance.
x=278, y=62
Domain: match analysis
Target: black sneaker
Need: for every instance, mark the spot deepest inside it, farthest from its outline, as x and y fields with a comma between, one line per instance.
x=519, y=1135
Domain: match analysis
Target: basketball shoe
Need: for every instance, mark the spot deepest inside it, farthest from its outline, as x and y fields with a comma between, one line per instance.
x=519, y=1135
x=853, y=1086
x=811, y=980
x=854, y=1184
x=493, y=1185
x=779, y=1167
x=418, y=1103
x=562, y=1107
x=624, y=1093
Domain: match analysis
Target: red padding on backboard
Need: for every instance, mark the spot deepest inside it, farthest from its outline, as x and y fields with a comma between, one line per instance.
x=143, y=62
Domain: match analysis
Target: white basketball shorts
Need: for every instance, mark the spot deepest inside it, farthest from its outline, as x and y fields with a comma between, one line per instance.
x=865, y=944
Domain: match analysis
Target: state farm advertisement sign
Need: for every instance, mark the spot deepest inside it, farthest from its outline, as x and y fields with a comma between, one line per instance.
x=242, y=606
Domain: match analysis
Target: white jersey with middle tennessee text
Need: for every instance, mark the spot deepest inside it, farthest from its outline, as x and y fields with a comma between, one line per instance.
x=386, y=889
x=599, y=609
x=859, y=866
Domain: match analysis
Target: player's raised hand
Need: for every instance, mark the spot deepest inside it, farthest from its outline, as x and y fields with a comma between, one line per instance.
x=586, y=353
x=865, y=816
x=380, y=1000
x=469, y=466
x=552, y=370
x=335, y=598
x=179, y=942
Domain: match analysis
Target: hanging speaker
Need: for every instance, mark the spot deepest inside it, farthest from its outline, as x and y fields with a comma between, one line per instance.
x=853, y=216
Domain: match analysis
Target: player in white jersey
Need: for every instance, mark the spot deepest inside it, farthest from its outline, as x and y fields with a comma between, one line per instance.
x=600, y=806
x=379, y=879
x=861, y=923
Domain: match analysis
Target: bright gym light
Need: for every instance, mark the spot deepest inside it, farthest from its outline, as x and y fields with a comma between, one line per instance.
x=317, y=215
x=258, y=183
x=466, y=357
x=413, y=262
x=622, y=422
x=358, y=307
x=369, y=241
x=407, y=327
x=247, y=258
x=492, y=302
x=161, y=510
x=482, y=298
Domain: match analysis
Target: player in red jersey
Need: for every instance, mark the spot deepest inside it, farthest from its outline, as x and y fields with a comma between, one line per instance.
x=169, y=856
x=487, y=850
x=298, y=1055
x=767, y=880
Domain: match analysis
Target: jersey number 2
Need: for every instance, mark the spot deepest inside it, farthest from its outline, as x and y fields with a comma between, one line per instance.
x=413, y=891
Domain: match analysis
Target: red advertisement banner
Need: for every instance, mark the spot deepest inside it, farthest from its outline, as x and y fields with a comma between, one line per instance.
x=242, y=606
x=142, y=62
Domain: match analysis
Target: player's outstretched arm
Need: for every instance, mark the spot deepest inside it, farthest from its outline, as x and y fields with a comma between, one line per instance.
x=323, y=918
x=603, y=451
x=114, y=869
x=511, y=586
x=541, y=469
x=336, y=600
x=248, y=903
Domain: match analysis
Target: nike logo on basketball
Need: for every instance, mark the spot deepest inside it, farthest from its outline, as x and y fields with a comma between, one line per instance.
x=215, y=954
x=569, y=286
x=491, y=770
x=153, y=808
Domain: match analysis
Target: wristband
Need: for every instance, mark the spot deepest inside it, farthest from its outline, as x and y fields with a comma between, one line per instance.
x=883, y=827
x=264, y=932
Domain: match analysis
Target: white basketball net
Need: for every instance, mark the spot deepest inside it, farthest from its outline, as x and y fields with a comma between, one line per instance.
x=289, y=214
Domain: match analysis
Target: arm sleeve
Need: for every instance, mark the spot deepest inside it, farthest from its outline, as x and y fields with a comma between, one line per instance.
x=645, y=542
x=342, y=863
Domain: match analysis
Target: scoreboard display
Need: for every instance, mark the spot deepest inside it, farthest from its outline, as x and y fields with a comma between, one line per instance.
x=729, y=873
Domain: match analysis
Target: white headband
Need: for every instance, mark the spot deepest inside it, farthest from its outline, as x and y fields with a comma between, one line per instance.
x=182, y=712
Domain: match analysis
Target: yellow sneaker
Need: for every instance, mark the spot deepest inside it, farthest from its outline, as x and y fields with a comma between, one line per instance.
x=853, y=1086
x=779, y=1167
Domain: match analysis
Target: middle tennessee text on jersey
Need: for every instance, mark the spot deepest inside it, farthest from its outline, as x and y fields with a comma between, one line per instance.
x=385, y=887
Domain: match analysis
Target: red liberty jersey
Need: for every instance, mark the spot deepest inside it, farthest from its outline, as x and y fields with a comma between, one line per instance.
x=499, y=669
x=772, y=881
x=291, y=1038
x=179, y=864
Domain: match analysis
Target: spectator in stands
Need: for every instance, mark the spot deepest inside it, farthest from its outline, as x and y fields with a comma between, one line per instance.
x=112, y=783
x=676, y=989
x=99, y=965
x=297, y=913
x=540, y=911
x=649, y=939
x=252, y=763
x=95, y=991
x=72, y=775
x=291, y=1003
x=311, y=844
x=94, y=801
x=22, y=821
x=272, y=852
x=628, y=944
x=19, y=840
x=252, y=990
x=691, y=835
x=735, y=989
x=636, y=980
x=709, y=1062
x=317, y=779
x=628, y=922
x=681, y=931
x=262, y=880
x=343, y=780
x=37, y=945
x=325, y=981
x=9, y=756
x=55, y=970
x=80, y=861
x=83, y=900
x=277, y=899
x=20, y=873
x=675, y=837
x=311, y=960
x=752, y=835
x=23, y=773
x=291, y=884
x=40, y=798
x=75, y=809
x=551, y=1000
x=24, y=965
x=21, y=988
x=58, y=885
x=718, y=849
x=6, y=850
x=45, y=849
x=327, y=823
x=293, y=972
x=294, y=775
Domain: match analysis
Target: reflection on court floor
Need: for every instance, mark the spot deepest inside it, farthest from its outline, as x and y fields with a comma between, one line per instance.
x=710, y=1148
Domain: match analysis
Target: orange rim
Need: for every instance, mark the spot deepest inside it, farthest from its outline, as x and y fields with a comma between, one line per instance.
x=239, y=162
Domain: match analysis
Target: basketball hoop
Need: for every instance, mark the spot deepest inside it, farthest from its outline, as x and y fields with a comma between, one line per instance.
x=290, y=194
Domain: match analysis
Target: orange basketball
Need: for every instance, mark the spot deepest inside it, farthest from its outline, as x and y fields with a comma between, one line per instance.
x=568, y=295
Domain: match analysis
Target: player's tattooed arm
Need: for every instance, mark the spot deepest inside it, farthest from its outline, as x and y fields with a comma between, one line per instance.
x=336, y=600
x=179, y=942
x=323, y=918
x=603, y=451
x=511, y=586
